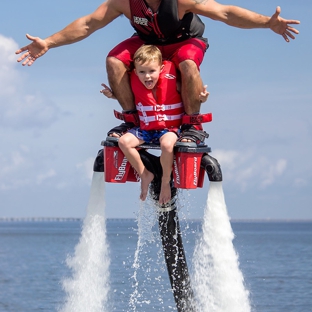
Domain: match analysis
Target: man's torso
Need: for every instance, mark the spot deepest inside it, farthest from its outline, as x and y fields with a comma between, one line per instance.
x=160, y=21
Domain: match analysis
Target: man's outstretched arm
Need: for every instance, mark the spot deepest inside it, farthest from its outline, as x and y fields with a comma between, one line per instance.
x=242, y=18
x=74, y=32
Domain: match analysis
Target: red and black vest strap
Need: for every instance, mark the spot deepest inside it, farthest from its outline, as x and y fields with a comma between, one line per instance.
x=128, y=117
x=196, y=118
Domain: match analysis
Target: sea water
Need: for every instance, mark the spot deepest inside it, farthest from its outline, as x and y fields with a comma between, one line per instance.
x=274, y=259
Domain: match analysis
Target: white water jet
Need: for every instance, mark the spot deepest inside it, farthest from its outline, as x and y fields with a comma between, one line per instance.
x=218, y=281
x=146, y=220
x=88, y=288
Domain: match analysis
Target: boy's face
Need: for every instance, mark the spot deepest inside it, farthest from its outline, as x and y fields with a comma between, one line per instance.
x=148, y=73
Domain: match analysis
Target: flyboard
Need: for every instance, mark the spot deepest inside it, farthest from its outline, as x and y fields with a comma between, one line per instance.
x=189, y=167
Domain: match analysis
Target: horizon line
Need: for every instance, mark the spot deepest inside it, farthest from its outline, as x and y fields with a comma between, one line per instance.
x=76, y=219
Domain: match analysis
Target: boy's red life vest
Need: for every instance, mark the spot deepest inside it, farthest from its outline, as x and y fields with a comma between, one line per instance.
x=167, y=111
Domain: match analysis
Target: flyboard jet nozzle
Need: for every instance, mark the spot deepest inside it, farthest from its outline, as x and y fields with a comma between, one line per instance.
x=212, y=167
x=98, y=165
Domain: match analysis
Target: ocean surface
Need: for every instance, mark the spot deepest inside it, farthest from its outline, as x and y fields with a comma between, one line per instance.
x=275, y=259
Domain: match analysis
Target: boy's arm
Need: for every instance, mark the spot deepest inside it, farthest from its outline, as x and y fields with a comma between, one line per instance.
x=107, y=91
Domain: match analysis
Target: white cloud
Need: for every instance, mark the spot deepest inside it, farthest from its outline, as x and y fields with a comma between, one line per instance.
x=18, y=108
x=24, y=167
x=273, y=171
x=44, y=176
x=8, y=75
x=13, y=168
x=248, y=168
x=87, y=168
x=28, y=111
x=62, y=185
x=11, y=165
x=300, y=182
x=7, y=45
x=19, y=168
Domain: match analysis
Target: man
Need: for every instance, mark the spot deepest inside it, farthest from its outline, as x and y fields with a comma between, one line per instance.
x=152, y=32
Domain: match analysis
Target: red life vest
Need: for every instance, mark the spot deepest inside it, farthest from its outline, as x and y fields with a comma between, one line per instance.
x=167, y=111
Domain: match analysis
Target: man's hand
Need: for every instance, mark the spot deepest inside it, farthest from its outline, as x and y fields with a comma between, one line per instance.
x=37, y=48
x=107, y=91
x=281, y=26
x=203, y=96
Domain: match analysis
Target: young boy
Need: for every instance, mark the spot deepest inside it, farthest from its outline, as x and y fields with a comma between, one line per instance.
x=160, y=109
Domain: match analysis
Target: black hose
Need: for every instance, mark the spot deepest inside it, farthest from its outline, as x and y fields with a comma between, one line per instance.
x=171, y=238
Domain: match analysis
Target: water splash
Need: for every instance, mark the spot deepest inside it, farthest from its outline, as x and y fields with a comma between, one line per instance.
x=218, y=281
x=145, y=221
x=88, y=288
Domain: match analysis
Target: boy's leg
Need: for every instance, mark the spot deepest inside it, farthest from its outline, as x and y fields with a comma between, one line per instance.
x=167, y=142
x=128, y=143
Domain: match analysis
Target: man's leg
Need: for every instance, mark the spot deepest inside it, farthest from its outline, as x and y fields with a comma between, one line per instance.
x=118, y=63
x=128, y=143
x=188, y=57
x=167, y=142
x=118, y=79
x=191, y=86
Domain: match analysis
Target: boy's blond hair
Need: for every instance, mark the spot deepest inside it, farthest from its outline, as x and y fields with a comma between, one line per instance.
x=147, y=54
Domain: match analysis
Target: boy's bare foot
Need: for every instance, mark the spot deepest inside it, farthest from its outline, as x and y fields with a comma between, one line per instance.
x=165, y=193
x=146, y=178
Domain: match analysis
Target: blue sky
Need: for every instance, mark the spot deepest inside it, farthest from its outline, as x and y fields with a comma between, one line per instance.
x=53, y=117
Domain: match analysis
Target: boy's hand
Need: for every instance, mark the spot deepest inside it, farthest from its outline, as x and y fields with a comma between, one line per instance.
x=107, y=91
x=203, y=96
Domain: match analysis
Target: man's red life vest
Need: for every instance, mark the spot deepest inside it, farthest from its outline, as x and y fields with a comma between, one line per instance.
x=165, y=112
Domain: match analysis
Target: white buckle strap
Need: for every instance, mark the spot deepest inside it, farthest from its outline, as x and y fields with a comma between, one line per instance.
x=159, y=107
x=148, y=119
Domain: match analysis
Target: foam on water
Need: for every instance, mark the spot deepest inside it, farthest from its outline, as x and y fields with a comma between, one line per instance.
x=88, y=288
x=218, y=282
